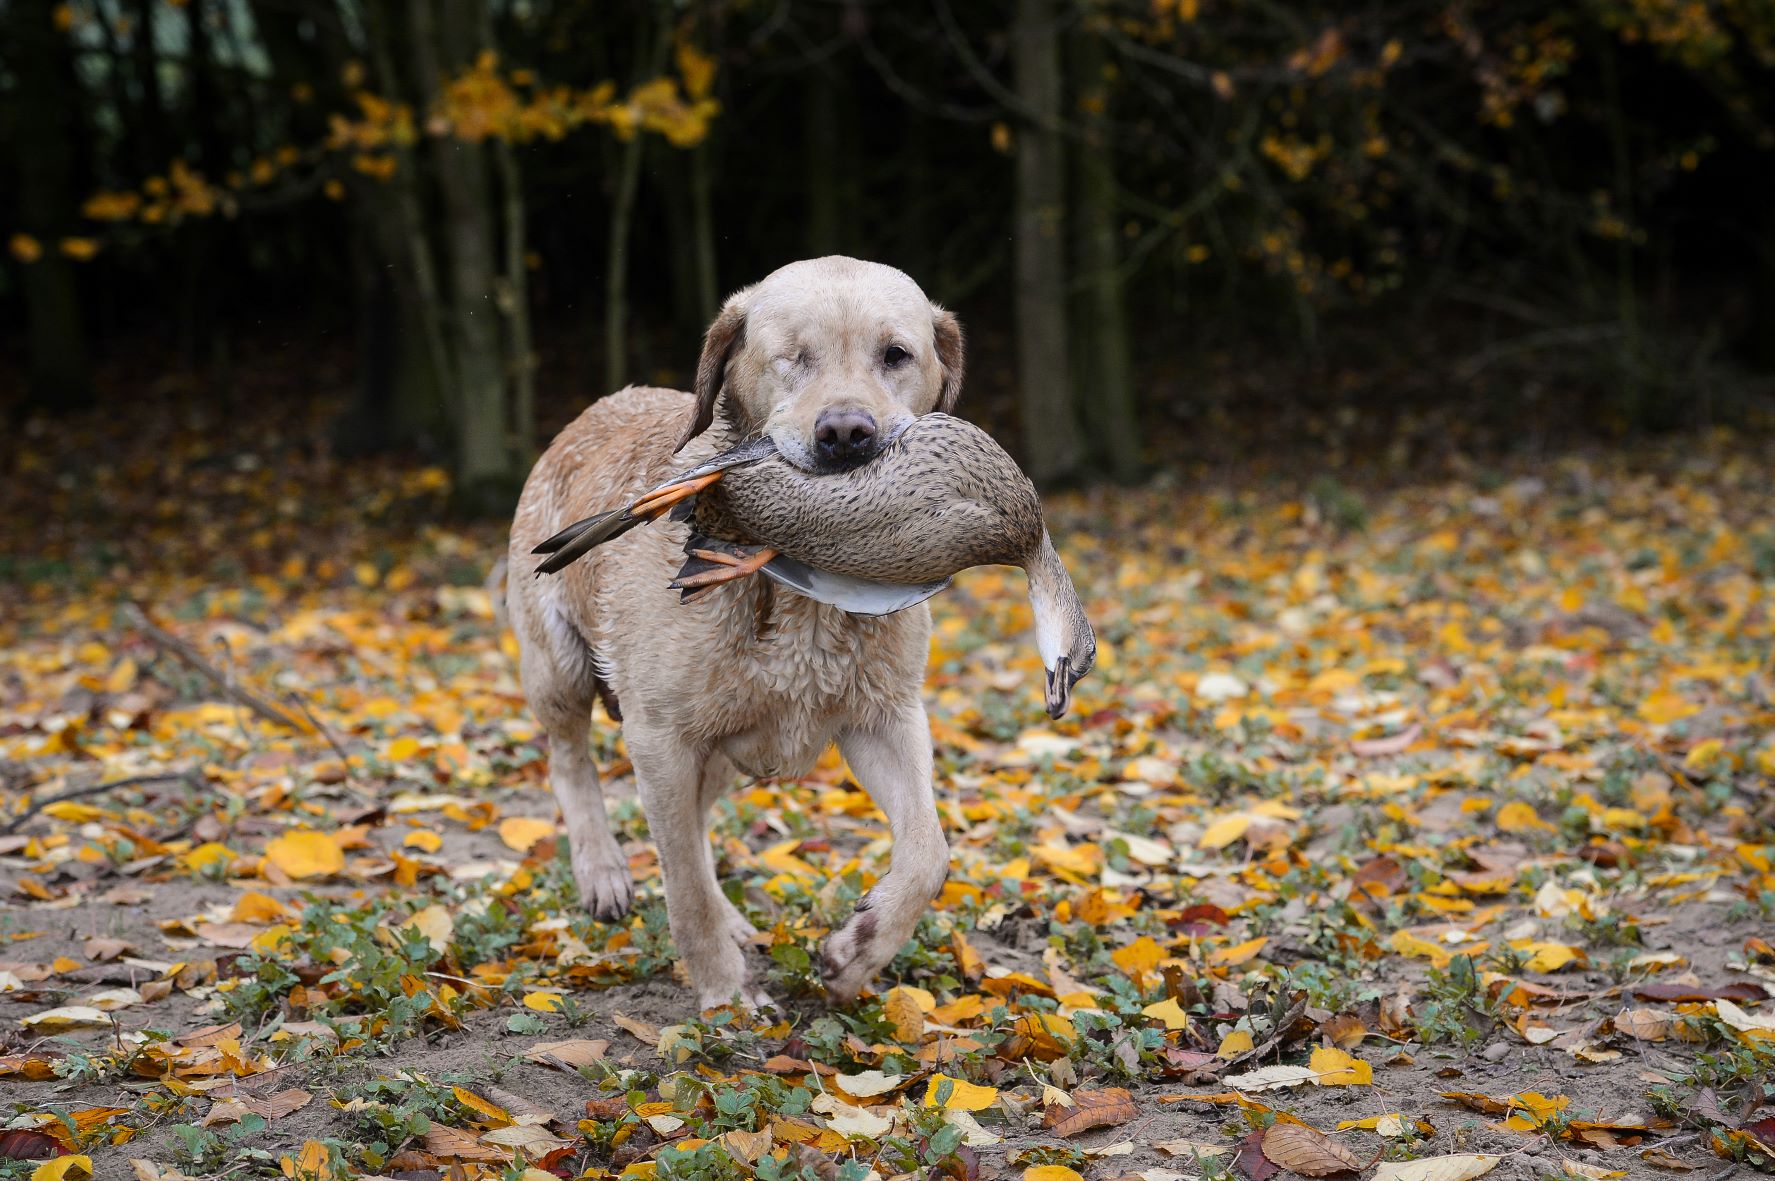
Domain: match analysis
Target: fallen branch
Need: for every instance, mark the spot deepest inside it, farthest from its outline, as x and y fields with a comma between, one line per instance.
x=188, y=653
x=94, y=789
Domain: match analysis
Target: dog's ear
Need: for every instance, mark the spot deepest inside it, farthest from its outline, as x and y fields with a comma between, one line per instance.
x=726, y=334
x=952, y=351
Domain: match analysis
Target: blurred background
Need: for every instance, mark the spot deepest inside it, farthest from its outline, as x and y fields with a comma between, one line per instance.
x=1179, y=232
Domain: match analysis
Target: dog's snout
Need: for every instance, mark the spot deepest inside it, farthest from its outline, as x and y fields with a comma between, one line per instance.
x=845, y=435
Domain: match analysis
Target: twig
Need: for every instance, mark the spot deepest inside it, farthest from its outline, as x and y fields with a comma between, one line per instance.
x=188, y=653
x=18, y=822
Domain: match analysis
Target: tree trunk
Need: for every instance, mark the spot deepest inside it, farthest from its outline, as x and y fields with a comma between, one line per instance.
x=616, y=274
x=702, y=213
x=486, y=475
x=1050, y=434
x=48, y=92
x=1104, y=365
x=825, y=233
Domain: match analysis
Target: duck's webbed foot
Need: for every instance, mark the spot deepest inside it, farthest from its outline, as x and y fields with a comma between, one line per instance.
x=709, y=567
x=660, y=500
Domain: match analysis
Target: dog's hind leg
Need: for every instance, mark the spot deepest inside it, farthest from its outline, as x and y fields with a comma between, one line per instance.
x=892, y=762
x=560, y=682
x=670, y=776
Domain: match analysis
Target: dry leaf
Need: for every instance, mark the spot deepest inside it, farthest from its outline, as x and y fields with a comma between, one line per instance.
x=1106, y=1108
x=568, y=1055
x=1308, y=1151
x=1460, y=1167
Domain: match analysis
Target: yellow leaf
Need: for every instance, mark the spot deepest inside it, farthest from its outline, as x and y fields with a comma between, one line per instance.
x=402, y=749
x=63, y=1168
x=79, y=249
x=1339, y=1068
x=1142, y=955
x=25, y=248
x=1664, y=707
x=1230, y=957
x=254, y=907
x=1547, y=957
x=424, y=839
x=1050, y=1173
x=488, y=1110
x=1170, y=1012
x=963, y=1095
x=543, y=1002
x=1234, y=1044
x=305, y=854
x=903, y=1010
x=522, y=832
x=1222, y=833
x=207, y=856
x=435, y=923
x=1517, y=816
x=313, y=1163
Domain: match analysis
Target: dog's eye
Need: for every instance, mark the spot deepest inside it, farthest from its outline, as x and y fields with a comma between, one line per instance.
x=895, y=356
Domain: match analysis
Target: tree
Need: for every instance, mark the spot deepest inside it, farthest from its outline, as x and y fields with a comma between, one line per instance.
x=44, y=134
x=1050, y=434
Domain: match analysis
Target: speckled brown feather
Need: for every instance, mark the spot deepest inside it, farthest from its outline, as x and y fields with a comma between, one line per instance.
x=940, y=497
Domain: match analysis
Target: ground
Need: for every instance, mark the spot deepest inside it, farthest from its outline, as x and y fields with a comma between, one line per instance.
x=1432, y=814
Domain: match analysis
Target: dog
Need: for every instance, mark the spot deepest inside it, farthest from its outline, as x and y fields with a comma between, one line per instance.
x=828, y=357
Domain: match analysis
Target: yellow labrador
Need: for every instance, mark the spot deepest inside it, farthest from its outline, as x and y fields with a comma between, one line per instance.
x=827, y=357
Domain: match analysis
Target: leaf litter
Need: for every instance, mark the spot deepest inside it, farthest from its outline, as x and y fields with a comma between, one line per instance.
x=1470, y=798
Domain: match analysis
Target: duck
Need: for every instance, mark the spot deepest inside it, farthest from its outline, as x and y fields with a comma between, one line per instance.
x=939, y=496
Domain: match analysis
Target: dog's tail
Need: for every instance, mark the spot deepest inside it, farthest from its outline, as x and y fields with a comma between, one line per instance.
x=494, y=584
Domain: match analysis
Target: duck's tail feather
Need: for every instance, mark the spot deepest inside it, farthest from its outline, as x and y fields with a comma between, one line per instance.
x=575, y=541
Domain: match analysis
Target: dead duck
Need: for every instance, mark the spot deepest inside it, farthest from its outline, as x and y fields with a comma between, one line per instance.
x=939, y=497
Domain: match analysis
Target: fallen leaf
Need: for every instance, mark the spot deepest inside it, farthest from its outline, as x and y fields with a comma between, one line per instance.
x=958, y=1094
x=522, y=832
x=1106, y=1108
x=568, y=1055
x=305, y=854
x=1308, y=1151
x=1459, y=1167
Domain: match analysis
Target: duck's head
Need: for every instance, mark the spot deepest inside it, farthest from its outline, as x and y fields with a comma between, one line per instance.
x=830, y=358
x=1063, y=635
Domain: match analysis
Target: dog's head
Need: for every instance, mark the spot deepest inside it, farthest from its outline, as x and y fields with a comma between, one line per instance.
x=830, y=358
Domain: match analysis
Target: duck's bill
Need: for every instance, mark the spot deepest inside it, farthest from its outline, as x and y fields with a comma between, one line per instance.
x=1059, y=687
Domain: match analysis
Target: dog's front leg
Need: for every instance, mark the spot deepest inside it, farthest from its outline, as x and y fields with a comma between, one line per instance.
x=892, y=761
x=669, y=775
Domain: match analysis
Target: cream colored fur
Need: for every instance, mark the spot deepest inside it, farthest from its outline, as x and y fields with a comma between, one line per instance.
x=745, y=676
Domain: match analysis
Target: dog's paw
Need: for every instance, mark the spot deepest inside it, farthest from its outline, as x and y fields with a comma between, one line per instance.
x=740, y=928
x=606, y=890
x=852, y=956
x=745, y=998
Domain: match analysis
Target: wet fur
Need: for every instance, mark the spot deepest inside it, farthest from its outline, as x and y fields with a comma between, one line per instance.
x=741, y=677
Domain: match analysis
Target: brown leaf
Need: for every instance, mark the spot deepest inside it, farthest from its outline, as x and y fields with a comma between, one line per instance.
x=1252, y=1162
x=1392, y=744
x=647, y=1033
x=1658, y=1158
x=1308, y=1151
x=1107, y=1108
x=454, y=1144
x=1674, y=991
x=278, y=1104
x=101, y=948
x=568, y=1055
x=1344, y=1031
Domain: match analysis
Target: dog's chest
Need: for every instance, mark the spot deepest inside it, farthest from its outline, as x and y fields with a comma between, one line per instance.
x=803, y=675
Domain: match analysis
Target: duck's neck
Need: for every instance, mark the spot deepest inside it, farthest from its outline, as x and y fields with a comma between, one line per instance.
x=1054, y=602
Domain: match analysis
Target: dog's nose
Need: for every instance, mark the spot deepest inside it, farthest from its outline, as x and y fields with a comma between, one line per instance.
x=845, y=434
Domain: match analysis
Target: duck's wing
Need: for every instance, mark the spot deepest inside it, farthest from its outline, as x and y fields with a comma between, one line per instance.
x=859, y=596
x=711, y=562
x=676, y=494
